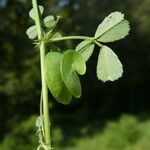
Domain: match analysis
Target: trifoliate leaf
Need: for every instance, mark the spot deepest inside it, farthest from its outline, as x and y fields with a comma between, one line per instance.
x=109, y=67
x=85, y=48
x=31, y=12
x=32, y=32
x=49, y=21
x=72, y=63
x=54, y=80
x=114, y=27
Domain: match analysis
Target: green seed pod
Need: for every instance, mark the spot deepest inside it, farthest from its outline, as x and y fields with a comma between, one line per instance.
x=72, y=63
x=54, y=79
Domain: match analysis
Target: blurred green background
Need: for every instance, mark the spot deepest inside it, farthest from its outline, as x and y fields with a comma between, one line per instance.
x=109, y=116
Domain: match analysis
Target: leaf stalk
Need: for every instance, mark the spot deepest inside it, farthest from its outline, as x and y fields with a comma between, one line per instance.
x=92, y=39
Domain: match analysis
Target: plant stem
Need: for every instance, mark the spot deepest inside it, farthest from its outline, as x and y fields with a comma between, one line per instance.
x=92, y=39
x=71, y=38
x=98, y=44
x=44, y=86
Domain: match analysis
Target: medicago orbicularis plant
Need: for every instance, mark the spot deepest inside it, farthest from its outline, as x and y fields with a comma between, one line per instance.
x=61, y=69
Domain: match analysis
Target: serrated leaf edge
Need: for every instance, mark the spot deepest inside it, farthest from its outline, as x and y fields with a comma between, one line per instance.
x=114, y=25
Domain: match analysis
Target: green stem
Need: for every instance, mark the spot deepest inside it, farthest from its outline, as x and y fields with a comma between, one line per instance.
x=92, y=39
x=44, y=86
x=72, y=38
x=98, y=44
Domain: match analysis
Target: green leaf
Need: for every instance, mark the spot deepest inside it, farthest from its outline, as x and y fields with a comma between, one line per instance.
x=32, y=32
x=85, y=48
x=109, y=67
x=54, y=79
x=56, y=35
x=113, y=27
x=49, y=21
x=31, y=12
x=72, y=63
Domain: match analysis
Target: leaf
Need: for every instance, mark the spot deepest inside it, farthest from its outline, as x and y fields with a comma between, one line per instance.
x=56, y=35
x=85, y=48
x=32, y=32
x=49, y=21
x=72, y=63
x=54, y=79
x=31, y=12
x=109, y=67
x=113, y=27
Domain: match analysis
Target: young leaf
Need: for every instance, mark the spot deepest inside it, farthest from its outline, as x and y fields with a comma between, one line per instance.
x=109, y=67
x=54, y=79
x=85, y=48
x=32, y=32
x=31, y=12
x=71, y=63
x=114, y=27
x=49, y=21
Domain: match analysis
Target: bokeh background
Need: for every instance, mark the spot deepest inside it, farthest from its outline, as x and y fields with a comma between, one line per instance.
x=109, y=116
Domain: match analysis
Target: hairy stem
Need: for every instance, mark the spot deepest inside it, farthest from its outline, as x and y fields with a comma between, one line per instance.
x=46, y=117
